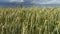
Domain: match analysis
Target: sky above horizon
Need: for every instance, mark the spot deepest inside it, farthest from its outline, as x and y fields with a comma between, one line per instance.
x=47, y=1
x=35, y=1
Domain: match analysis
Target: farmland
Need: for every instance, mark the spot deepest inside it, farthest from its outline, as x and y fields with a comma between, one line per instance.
x=30, y=20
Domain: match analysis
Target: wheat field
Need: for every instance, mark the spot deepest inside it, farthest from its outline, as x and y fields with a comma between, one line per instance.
x=30, y=20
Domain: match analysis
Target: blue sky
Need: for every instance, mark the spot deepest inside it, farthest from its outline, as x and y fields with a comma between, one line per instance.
x=35, y=1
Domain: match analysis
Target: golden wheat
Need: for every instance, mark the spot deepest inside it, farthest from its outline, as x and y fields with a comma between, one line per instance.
x=29, y=20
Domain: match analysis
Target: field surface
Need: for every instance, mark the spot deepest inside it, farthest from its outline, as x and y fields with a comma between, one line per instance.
x=29, y=20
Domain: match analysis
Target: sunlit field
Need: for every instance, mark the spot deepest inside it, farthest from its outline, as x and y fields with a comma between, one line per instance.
x=30, y=20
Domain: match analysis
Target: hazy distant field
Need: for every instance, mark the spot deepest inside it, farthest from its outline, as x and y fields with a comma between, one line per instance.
x=29, y=20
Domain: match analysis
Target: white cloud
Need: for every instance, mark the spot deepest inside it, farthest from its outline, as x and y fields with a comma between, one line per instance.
x=56, y=2
x=16, y=0
x=44, y=2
